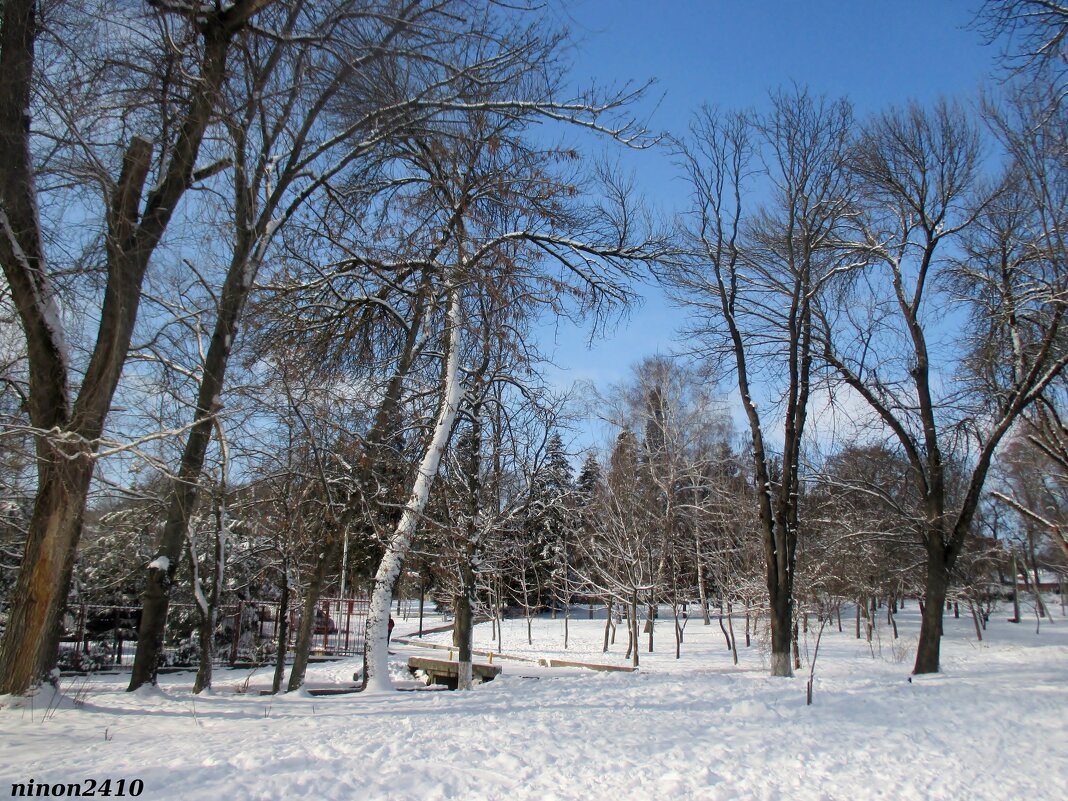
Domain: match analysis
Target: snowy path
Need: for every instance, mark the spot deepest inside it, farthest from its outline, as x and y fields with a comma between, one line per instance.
x=992, y=726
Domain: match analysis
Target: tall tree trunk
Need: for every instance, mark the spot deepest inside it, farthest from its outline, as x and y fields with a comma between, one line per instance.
x=282, y=632
x=377, y=670
x=306, y=632
x=702, y=590
x=210, y=616
x=55, y=524
x=607, y=625
x=185, y=486
x=934, y=597
x=465, y=601
x=31, y=641
x=464, y=626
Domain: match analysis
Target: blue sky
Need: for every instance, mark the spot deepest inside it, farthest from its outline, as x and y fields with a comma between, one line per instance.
x=730, y=53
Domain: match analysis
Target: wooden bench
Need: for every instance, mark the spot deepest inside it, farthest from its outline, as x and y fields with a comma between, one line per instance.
x=447, y=672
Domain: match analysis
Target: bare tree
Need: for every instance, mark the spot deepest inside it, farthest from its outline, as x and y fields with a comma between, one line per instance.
x=513, y=229
x=918, y=174
x=617, y=560
x=1037, y=485
x=325, y=57
x=1034, y=485
x=864, y=542
x=1037, y=39
x=70, y=424
x=753, y=283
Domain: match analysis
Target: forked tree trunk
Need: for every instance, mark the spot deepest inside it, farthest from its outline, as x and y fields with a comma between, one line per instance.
x=723, y=628
x=133, y=233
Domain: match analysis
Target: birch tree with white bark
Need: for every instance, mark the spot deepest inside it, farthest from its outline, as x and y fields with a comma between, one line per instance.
x=519, y=234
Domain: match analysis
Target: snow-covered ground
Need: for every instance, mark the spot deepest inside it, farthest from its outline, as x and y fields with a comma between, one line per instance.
x=992, y=725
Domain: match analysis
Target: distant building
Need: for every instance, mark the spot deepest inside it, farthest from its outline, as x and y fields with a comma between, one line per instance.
x=1048, y=581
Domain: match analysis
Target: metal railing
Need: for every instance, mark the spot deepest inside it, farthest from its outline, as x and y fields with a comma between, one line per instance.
x=99, y=637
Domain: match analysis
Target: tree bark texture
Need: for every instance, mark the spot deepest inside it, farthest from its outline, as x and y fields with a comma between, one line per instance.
x=31, y=641
x=377, y=668
x=282, y=633
x=465, y=600
x=934, y=604
x=302, y=649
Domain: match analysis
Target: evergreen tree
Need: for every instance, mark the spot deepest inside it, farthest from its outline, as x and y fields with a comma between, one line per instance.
x=551, y=522
x=589, y=480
